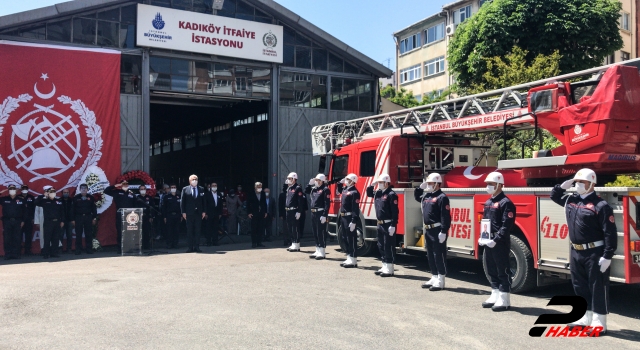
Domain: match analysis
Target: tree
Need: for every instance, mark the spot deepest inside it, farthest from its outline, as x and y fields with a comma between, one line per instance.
x=583, y=32
x=400, y=97
x=632, y=180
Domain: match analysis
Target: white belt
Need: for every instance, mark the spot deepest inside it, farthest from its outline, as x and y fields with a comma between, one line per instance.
x=380, y=222
x=316, y=210
x=588, y=245
x=437, y=224
x=346, y=214
x=289, y=209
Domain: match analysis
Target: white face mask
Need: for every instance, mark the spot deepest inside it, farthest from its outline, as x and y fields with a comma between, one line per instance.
x=142, y=193
x=213, y=189
x=125, y=188
x=12, y=192
x=266, y=194
x=318, y=183
x=491, y=189
x=258, y=190
x=430, y=188
x=25, y=191
x=382, y=185
x=194, y=183
x=52, y=195
x=173, y=191
x=348, y=183
x=580, y=188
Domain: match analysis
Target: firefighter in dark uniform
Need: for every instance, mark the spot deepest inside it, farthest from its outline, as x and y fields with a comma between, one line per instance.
x=84, y=213
x=294, y=206
x=502, y=213
x=27, y=229
x=123, y=199
x=67, y=230
x=436, y=220
x=145, y=202
x=14, y=215
x=386, y=203
x=171, y=214
x=593, y=235
x=320, y=202
x=54, y=216
x=349, y=216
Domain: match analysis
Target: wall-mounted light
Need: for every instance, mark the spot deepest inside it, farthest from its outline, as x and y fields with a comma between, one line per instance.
x=217, y=4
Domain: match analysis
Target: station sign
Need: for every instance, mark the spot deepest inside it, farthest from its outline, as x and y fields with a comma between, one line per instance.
x=187, y=31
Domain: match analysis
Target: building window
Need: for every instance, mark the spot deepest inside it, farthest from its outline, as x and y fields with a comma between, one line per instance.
x=166, y=146
x=130, y=68
x=625, y=21
x=204, y=137
x=222, y=127
x=262, y=117
x=624, y=56
x=351, y=95
x=303, y=90
x=462, y=14
x=410, y=43
x=177, y=143
x=434, y=66
x=410, y=74
x=434, y=33
x=241, y=10
x=368, y=163
x=157, y=148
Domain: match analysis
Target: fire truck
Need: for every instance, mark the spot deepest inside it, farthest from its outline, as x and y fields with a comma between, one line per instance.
x=595, y=114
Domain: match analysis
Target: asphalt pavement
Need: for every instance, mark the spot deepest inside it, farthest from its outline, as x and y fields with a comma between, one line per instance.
x=233, y=297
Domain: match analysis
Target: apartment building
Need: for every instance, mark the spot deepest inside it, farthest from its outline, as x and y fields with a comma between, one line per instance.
x=421, y=48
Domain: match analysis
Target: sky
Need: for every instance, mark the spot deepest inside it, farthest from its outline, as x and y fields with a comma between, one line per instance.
x=366, y=25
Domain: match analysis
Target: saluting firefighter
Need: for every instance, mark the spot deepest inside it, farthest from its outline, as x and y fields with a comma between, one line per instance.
x=386, y=203
x=349, y=216
x=54, y=216
x=294, y=208
x=502, y=215
x=320, y=202
x=14, y=215
x=593, y=236
x=436, y=220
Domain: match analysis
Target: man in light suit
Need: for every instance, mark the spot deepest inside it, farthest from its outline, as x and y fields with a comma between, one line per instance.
x=214, y=212
x=193, y=207
x=257, y=209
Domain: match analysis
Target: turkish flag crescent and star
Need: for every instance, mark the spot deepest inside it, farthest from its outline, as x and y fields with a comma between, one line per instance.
x=60, y=123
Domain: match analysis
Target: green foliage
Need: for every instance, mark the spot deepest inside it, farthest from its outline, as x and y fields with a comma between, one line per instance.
x=432, y=97
x=582, y=32
x=625, y=181
x=400, y=97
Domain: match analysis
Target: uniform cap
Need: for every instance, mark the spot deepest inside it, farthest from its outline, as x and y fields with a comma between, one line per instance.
x=352, y=177
x=586, y=174
x=495, y=177
x=46, y=188
x=12, y=187
x=434, y=177
x=384, y=178
x=293, y=176
x=321, y=177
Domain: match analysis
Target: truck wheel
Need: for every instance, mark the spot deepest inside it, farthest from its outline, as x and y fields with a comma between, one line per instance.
x=363, y=247
x=521, y=260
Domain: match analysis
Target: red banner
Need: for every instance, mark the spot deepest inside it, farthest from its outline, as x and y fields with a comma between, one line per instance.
x=60, y=122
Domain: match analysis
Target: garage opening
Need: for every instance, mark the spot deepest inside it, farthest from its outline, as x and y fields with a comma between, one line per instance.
x=222, y=141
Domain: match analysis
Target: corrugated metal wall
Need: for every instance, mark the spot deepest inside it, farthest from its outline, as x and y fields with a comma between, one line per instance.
x=131, y=133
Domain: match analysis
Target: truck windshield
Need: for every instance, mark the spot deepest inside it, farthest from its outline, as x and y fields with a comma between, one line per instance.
x=340, y=167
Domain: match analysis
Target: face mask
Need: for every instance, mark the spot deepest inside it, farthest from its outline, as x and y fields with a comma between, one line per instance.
x=173, y=190
x=382, y=185
x=348, y=183
x=318, y=183
x=52, y=195
x=214, y=189
x=258, y=190
x=491, y=189
x=25, y=191
x=12, y=192
x=65, y=195
x=125, y=188
x=194, y=183
x=239, y=188
x=430, y=188
x=266, y=194
x=580, y=188
x=142, y=193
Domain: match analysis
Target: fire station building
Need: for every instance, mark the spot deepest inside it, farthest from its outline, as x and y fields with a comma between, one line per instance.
x=229, y=94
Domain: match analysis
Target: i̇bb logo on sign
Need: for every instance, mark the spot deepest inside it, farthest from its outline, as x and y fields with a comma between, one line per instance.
x=460, y=223
x=553, y=230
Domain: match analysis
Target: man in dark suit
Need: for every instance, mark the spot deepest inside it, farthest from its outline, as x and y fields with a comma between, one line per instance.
x=282, y=213
x=214, y=212
x=257, y=210
x=271, y=214
x=193, y=207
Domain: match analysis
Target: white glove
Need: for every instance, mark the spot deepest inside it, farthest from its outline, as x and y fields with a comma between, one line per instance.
x=312, y=182
x=297, y=216
x=352, y=227
x=490, y=243
x=604, y=264
x=342, y=181
x=481, y=241
x=567, y=184
x=423, y=185
x=442, y=236
x=323, y=219
x=392, y=230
